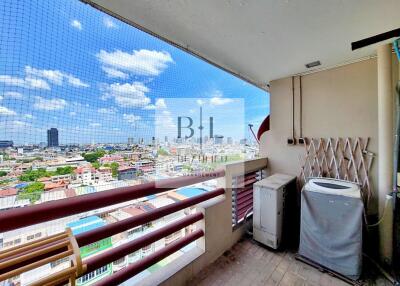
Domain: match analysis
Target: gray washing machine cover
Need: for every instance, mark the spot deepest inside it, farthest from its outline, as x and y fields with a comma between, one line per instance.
x=331, y=231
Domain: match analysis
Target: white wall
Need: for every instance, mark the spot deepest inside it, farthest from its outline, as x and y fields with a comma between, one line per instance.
x=340, y=102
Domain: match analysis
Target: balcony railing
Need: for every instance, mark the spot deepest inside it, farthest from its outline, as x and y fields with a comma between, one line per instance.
x=242, y=195
x=23, y=258
x=213, y=222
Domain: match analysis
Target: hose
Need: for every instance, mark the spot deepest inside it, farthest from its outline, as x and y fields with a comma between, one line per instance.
x=380, y=219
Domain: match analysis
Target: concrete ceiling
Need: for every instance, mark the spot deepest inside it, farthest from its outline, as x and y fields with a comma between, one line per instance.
x=262, y=40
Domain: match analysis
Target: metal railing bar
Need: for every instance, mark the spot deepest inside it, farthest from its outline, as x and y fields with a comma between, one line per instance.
x=30, y=215
x=35, y=264
x=97, y=234
x=137, y=267
x=127, y=248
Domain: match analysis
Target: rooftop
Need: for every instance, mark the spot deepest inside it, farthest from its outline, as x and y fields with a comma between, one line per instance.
x=86, y=224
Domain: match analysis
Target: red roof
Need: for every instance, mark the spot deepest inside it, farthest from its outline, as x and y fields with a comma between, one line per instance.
x=81, y=170
x=8, y=192
x=111, y=158
x=137, y=210
x=146, y=168
x=44, y=179
x=49, y=185
x=133, y=211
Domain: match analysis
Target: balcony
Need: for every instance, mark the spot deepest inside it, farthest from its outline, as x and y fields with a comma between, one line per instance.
x=212, y=218
x=330, y=80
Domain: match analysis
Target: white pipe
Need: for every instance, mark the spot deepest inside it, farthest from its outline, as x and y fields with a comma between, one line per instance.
x=385, y=150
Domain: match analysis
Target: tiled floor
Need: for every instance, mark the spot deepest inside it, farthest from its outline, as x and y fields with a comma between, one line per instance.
x=248, y=263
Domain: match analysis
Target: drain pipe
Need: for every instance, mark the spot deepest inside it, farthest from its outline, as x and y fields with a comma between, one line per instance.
x=385, y=150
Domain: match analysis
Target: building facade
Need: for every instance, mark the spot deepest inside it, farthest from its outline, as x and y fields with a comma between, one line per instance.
x=52, y=137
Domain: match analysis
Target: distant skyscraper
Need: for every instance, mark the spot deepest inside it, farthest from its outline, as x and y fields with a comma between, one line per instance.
x=130, y=141
x=218, y=139
x=229, y=140
x=52, y=137
x=166, y=139
x=6, y=144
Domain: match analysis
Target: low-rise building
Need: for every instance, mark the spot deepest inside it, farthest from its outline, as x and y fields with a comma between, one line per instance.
x=127, y=173
x=87, y=224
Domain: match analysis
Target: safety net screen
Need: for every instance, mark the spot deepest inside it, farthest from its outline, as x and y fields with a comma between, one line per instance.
x=89, y=103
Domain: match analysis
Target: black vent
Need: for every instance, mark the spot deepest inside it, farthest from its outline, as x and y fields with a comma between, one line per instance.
x=313, y=64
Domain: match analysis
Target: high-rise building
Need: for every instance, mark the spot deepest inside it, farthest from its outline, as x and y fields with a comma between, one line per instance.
x=166, y=139
x=52, y=137
x=218, y=139
x=130, y=141
x=229, y=140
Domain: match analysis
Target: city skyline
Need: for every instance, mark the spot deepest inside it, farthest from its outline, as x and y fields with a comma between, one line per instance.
x=102, y=82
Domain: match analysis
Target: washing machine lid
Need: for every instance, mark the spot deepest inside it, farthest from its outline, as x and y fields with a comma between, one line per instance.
x=334, y=187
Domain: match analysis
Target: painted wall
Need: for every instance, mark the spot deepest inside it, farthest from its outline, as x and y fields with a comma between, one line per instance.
x=340, y=102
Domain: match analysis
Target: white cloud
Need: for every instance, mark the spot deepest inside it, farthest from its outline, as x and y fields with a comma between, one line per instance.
x=29, y=116
x=217, y=98
x=72, y=113
x=131, y=118
x=18, y=123
x=55, y=76
x=140, y=62
x=74, y=81
x=220, y=101
x=94, y=124
x=13, y=94
x=76, y=24
x=104, y=110
x=114, y=73
x=200, y=102
x=129, y=95
x=7, y=112
x=27, y=82
x=164, y=121
x=49, y=104
x=109, y=23
x=160, y=104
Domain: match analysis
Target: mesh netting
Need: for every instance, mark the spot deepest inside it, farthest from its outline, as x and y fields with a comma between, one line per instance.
x=89, y=104
x=66, y=65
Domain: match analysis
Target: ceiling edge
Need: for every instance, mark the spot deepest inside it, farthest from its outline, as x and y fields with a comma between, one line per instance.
x=263, y=86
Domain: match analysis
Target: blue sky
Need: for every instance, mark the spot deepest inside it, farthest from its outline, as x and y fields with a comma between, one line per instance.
x=64, y=64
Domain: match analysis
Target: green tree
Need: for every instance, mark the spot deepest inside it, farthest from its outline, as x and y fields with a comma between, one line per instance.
x=65, y=170
x=3, y=173
x=32, y=175
x=31, y=192
x=114, y=169
x=96, y=165
x=94, y=156
x=162, y=152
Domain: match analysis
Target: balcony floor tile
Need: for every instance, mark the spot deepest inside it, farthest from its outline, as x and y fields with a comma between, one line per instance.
x=248, y=263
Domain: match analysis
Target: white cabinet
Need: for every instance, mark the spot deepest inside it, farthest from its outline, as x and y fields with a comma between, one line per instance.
x=268, y=209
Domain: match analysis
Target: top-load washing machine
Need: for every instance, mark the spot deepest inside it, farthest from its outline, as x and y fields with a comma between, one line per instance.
x=332, y=224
